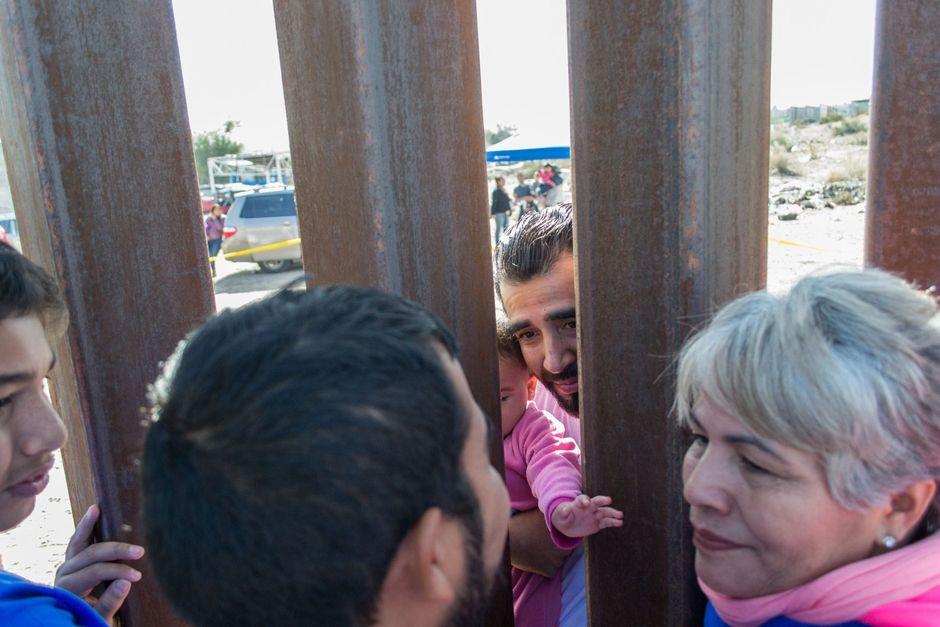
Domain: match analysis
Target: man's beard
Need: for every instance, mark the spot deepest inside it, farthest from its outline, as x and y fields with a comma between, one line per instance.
x=471, y=606
x=568, y=403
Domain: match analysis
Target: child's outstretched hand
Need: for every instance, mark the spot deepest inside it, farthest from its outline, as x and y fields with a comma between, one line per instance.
x=585, y=516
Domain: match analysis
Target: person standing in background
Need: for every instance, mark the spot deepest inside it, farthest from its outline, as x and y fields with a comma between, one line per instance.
x=523, y=196
x=499, y=208
x=554, y=193
x=215, y=222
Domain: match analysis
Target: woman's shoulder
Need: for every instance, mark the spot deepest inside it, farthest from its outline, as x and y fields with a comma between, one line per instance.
x=712, y=619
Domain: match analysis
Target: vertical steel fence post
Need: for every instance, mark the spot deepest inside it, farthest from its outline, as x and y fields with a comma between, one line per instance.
x=903, y=217
x=385, y=117
x=100, y=158
x=670, y=128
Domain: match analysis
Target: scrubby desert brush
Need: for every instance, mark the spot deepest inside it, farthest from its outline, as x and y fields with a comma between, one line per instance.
x=846, y=198
x=780, y=140
x=780, y=163
x=816, y=150
x=849, y=127
x=854, y=170
x=832, y=117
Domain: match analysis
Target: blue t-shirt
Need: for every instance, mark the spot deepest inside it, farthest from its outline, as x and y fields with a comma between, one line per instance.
x=712, y=619
x=25, y=604
x=522, y=191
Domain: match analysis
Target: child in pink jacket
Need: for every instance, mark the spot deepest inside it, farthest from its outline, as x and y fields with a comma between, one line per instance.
x=543, y=469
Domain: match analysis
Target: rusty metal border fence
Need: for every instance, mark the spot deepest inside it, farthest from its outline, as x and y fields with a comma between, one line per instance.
x=903, y=216
x=97, y=143
x=390, y=94
x=670, y=129
x=384, y=110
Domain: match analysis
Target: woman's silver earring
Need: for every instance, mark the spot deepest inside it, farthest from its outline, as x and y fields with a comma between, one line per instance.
x=889, y=542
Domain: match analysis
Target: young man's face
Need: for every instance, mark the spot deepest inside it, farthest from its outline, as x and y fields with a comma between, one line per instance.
x=30, y=428
x=542, y=315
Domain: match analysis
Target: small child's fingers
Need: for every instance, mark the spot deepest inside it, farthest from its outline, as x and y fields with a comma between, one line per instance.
x=601, y=500
x=583, y=501
x=606, y=523
x=608, y=512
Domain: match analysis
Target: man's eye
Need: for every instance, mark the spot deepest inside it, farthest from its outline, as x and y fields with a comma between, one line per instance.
x=6, y=401
x=570, y=324
x=525, y=335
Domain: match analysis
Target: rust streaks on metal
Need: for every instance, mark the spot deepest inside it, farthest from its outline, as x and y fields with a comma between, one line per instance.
x=97, y=142
x=903, y=215
x=384, y=110
x=670, y=130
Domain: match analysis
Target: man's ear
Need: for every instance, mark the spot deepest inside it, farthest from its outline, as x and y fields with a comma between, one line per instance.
x=908, y=507
x=530, y=386
x=424, y=567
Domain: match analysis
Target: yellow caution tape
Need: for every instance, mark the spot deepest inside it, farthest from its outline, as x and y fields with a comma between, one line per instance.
x=258, y=249
x=787, y=242
x=296, y=240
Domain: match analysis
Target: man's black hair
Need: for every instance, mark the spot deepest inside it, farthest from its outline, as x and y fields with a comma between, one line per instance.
x=296, y=441
x=532, y=246
x=26, y=289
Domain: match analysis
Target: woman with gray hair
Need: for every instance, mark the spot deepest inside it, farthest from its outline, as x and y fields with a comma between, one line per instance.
x=812, y=474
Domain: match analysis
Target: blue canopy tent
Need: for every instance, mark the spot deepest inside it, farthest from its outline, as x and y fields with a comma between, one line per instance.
x=529, y=146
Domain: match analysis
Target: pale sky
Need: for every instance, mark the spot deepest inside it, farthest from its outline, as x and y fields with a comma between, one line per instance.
x=822, y=53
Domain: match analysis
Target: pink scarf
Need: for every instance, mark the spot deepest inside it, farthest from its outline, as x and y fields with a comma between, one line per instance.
x=885, y=583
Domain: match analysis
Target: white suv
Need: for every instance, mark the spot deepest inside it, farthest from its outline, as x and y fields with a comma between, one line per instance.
x=259, y=219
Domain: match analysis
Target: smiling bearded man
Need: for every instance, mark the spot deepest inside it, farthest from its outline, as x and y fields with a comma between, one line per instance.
x=535, y=283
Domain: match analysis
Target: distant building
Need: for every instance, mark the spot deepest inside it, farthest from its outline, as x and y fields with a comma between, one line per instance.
x=842, y=109
x=859, y=107
x=803, y=115
x=798, y=115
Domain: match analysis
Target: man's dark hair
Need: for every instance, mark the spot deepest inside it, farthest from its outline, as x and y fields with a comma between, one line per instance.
x=26, y=289
x=296, y=441
x=532, y=246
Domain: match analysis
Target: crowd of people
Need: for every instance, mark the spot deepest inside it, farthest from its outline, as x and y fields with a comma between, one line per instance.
x=545, y=190
x=344, y=478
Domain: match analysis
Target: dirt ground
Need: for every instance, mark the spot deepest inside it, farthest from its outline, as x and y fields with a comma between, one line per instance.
x=809, y=227
x=804, y=235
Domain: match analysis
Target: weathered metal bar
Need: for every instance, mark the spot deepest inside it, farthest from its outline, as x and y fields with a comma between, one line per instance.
x=384, y=110
x=670, y=130
x=903, y=217
x=100, y=158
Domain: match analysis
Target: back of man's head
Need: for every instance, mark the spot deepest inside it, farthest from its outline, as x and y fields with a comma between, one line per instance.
x=532, y=246
x=296, y=441
x=28, y=290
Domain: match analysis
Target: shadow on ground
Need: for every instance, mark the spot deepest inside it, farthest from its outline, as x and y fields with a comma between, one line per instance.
x=253, y=280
